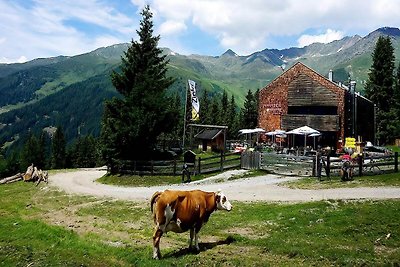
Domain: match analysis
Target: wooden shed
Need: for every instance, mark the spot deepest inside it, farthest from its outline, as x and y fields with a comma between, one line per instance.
x=211, y=139
x=301, y=96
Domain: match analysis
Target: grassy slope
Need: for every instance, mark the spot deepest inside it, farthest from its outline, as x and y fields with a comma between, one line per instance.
x=41, y=227
x=390, y=179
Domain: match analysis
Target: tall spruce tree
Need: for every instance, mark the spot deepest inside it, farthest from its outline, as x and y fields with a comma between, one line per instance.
x=396, y=100
x=224, y=109
x=58, y=149
x=205, y=108
x=379, y=88
x=131, y=124
x=215, y=115
x=31, y=152
x=250, y=111
x=233, y=122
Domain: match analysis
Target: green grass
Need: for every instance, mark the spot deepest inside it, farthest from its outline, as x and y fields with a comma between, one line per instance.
x=394, y=148
x=390, y=179
x=147, y=180
x=43, y=227
x=137, y=180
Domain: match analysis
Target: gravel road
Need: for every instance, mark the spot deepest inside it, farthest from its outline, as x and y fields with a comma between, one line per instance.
x=262, y=188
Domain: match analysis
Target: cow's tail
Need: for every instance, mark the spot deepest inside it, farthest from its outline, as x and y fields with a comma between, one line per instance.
x=154, y=199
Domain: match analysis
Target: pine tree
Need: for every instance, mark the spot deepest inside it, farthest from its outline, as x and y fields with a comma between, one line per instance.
x=32, y=153
x=224, y=109
x=249, y=111
x=42, y=150
x=205, y=111
x=233, y=122
x=257, y=99
x=131, y=124
x=396, y=100
x=215, y=114
x=177, y=131
x=14, y=163
x=379, y=88
x=58, y=150
x=3, y=164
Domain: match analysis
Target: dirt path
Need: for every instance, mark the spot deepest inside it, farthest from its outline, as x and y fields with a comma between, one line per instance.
x=262, y=188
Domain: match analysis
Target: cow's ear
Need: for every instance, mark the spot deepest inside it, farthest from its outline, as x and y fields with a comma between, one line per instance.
x=217, y=198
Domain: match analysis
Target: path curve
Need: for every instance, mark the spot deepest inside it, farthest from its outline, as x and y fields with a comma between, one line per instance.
x=262, y=188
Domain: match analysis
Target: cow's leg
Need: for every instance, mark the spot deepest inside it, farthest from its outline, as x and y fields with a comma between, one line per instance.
x=196, y=239
x=156, y=243
x=191, y=238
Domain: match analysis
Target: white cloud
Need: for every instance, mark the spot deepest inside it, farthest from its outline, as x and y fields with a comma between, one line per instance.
x=246, y=26
x=106, y=40
x=52, y=28
x=5, y=60
x=327, y=37
x=172, y=27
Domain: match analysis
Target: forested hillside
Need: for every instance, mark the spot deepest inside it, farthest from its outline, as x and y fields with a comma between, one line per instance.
x=69, y=91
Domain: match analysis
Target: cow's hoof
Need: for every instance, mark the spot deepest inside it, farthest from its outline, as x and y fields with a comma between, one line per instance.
x=156, y=256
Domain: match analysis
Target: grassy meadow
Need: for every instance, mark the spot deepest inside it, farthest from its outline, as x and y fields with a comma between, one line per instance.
x=388, y=179
x=41, y=226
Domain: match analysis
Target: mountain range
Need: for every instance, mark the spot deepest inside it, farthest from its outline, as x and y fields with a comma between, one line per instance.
x=69, y=91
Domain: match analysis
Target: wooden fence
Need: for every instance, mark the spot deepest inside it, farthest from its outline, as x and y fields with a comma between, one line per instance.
x=317, y=166
x=174, y=167
x=368, y=165
x=218, y=163
x=287, y=164
x=153, y=167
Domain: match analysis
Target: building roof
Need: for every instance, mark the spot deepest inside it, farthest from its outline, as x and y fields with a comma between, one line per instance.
x=302, y=65
x=208, y=134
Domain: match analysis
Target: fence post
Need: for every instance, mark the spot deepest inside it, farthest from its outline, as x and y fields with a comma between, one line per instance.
x=174, y=167
x=396, y=161
x=360, y=165
x=328, y=166
x=199, y=165
x=222, y=162
x=314, y=163
x=152, y=168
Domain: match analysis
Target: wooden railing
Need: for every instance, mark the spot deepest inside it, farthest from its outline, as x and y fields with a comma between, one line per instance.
x=318, y=166
x=174, y=167
x=362, y=165
x=218, y=163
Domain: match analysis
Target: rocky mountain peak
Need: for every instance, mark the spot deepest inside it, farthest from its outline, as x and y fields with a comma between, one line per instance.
x=391, y=31
x=229, y=53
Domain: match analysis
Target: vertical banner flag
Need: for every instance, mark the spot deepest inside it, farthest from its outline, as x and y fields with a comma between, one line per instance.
x=195, y=100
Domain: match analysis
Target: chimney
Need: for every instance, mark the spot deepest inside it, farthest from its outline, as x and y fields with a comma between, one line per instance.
x=330, y=75
x=353, y=86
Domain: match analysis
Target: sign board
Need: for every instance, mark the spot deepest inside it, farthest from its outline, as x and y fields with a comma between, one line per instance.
x=350, y=142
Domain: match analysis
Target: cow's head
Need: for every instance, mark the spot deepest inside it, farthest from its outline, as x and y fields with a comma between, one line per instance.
x=222, y=201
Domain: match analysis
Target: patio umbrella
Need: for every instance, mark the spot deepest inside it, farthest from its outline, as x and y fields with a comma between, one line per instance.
x=315, y=135
x=304, y=130
x=276, y=133
x=249, y=132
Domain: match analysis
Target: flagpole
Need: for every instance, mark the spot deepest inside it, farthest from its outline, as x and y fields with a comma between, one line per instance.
x=184, y=117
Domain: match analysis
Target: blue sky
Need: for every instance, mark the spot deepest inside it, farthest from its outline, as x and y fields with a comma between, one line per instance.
x=32, y=29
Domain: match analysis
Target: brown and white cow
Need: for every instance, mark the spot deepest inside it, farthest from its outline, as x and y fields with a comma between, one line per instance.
x=180, y=211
